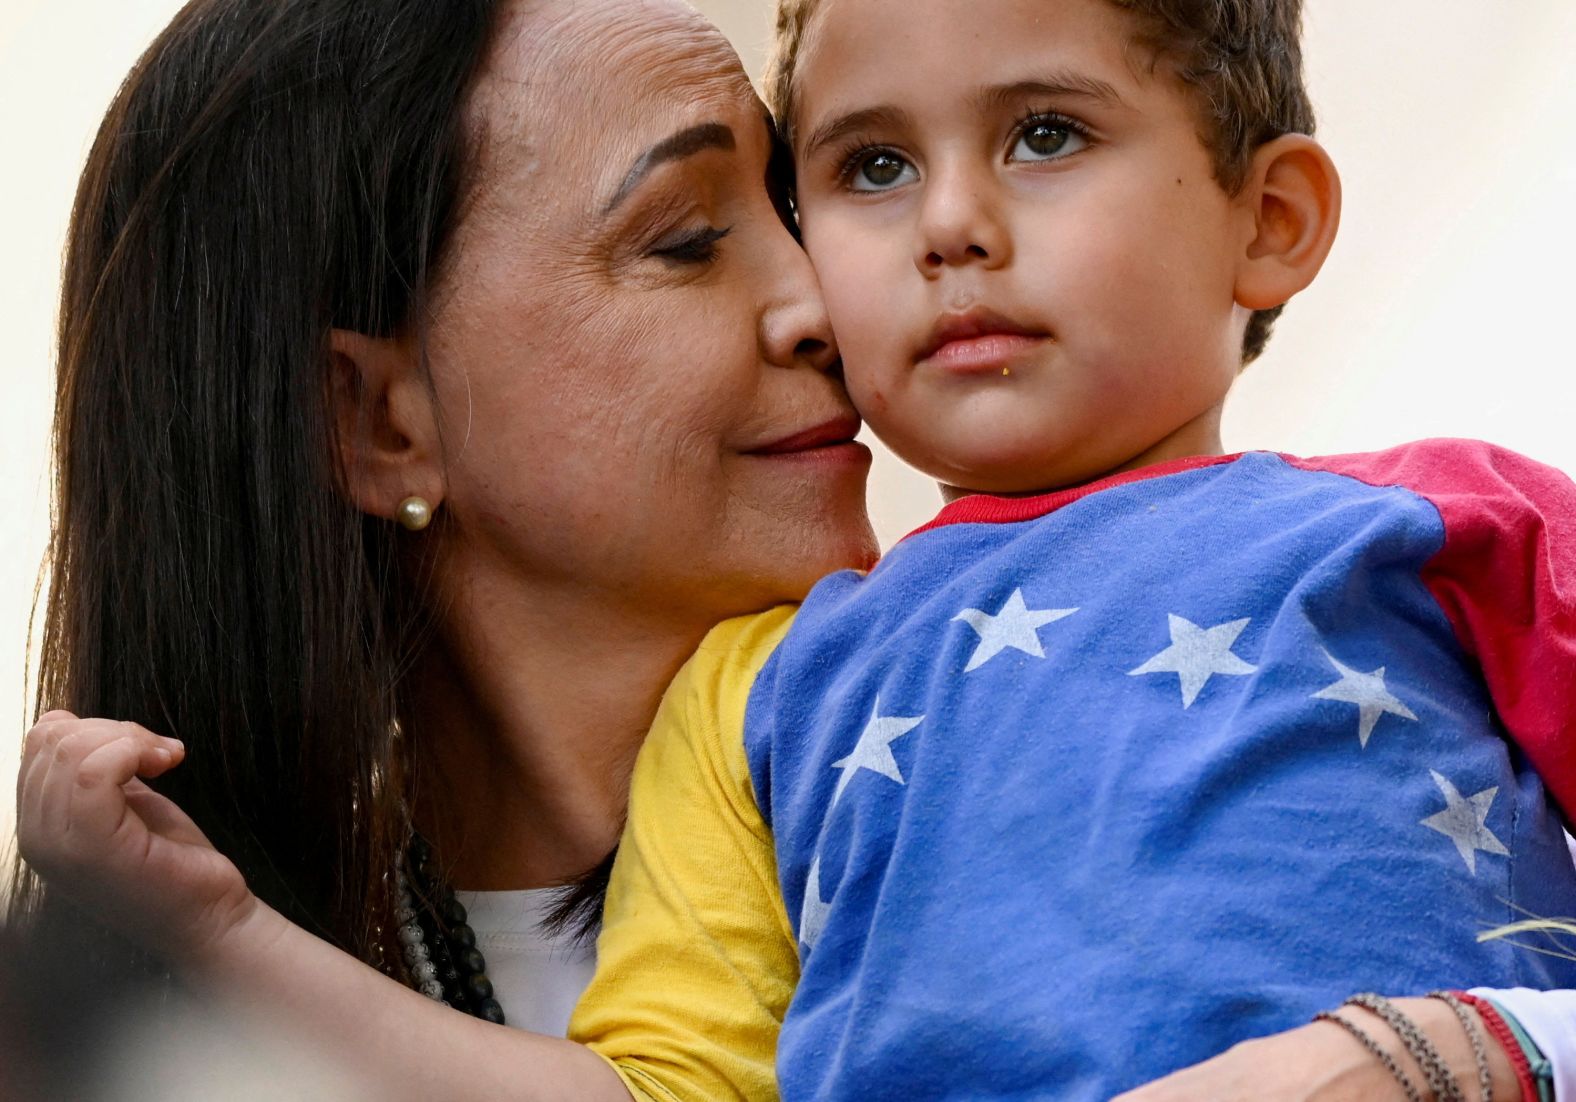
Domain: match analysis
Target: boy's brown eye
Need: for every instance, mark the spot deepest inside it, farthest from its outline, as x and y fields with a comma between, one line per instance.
x=1045, y=139
x=883, y=169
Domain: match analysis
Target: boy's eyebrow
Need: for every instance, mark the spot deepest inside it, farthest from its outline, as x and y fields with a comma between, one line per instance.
x=871, y=118
x=1058, y=84
x=1061, y=84
x=675, y=147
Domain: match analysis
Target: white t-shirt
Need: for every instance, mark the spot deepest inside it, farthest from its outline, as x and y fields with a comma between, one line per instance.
x=537, y=977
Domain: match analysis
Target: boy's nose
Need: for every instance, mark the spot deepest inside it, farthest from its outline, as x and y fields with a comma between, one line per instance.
x=960, y=224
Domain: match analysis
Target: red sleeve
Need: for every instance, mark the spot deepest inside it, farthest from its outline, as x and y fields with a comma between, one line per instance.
x=1506, y=578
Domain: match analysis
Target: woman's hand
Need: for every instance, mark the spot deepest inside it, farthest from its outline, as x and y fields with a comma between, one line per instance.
x=95, y=831
x=1321, y=1062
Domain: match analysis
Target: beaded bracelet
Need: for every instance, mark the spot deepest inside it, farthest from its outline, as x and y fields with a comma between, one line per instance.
x=1474, y=1034
x=1507, y=1040
x=1441, y=1080
x=1376, y=1050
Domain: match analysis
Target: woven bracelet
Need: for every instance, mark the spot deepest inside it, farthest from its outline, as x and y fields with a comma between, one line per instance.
x=1542, y=1070
x=1441, y=1080
x=1507, y=1040
x=1376, y=1050
x=1475, y=1037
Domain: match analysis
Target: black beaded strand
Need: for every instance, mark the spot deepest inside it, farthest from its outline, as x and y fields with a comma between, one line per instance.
x=458, y=971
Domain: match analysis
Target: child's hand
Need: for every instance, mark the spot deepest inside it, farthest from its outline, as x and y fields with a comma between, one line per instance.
x=94, y=831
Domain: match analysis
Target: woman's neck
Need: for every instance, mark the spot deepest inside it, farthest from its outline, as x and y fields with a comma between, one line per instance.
x=527, y=717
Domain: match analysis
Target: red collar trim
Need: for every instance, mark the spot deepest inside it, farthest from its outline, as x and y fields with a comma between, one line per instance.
x=989, y=509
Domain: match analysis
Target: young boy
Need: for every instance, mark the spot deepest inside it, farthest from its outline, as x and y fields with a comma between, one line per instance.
x=1138, y=750
x=1151, y=749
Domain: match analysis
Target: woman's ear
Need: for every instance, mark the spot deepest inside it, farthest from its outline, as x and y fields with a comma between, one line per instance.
x=386, y=427
x=1293, y=198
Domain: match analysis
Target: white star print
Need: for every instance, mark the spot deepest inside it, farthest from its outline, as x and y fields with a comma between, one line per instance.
x=812, y=916
x=874, y=751
x=1196, y=654
x=1016, y=626
x=1368, y=692
x=1463, y=821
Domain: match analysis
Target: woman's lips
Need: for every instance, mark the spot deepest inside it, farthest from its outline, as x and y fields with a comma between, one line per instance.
x=835, y=433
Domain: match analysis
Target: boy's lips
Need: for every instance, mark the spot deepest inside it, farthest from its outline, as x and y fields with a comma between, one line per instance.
x=976, y=340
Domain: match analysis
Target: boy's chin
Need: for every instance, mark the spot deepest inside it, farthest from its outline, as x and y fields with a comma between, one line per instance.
x=1002, y=478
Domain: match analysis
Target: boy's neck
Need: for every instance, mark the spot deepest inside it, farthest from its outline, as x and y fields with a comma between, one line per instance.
x=1199, y=437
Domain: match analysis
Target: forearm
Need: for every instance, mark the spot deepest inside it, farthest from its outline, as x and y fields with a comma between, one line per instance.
x=1439, y=1024
x=396, y=1042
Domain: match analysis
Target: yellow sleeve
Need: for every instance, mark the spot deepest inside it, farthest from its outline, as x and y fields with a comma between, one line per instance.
x=696, y=961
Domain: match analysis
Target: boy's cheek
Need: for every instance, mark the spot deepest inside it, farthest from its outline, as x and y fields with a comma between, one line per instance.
x=863, y=301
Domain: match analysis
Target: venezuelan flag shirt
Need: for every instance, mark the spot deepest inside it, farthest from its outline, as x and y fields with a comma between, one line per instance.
x=1074, y=791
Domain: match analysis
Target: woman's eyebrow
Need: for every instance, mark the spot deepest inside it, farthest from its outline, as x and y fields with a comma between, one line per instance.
x=676, y=146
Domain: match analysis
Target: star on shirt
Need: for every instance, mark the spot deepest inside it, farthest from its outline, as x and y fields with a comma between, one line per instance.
x=812, y=916
x=1196, y=654
x=1016, y=626
x=874, y=751
x=1368, y=692
x=1463, y=821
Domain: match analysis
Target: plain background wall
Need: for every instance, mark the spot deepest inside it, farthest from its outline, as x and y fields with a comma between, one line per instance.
x=1445, y=309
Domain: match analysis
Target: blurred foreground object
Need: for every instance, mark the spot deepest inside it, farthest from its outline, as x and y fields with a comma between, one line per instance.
x=65, y=1033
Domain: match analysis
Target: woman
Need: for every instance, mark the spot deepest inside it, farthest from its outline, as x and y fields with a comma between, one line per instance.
x=336, y=263
x=615, y=282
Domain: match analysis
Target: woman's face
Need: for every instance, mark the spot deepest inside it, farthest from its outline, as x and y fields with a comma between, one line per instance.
x=629, y=351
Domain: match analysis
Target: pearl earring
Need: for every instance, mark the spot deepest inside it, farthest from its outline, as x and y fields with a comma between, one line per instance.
x=414, y=514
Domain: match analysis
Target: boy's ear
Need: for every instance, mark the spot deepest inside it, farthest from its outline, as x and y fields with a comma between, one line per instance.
x=1293, y=198
x=386, y=427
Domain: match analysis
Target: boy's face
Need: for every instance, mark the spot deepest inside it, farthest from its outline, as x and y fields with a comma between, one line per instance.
x=1029, y=264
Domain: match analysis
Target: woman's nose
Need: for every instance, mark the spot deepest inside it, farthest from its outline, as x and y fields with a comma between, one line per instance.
x=795, y=328
x=960, y=223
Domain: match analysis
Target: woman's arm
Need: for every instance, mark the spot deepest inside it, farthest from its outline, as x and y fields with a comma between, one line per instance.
x=1549, y=1017
x=1321, y=1062
x=94, y=830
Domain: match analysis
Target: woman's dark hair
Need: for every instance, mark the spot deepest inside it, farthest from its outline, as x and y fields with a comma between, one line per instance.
x=270, y=170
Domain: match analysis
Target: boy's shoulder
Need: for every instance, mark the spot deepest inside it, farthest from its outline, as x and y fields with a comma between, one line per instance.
x=1495, y=505
x=1449, y=467
x=1461, y=477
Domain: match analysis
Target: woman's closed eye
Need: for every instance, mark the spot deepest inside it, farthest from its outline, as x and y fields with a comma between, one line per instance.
x=692, y=246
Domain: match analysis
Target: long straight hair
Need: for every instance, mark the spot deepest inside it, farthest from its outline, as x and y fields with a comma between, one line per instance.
x=270, y=170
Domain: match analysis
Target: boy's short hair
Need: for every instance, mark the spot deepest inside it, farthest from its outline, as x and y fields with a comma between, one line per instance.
x=1241, y=58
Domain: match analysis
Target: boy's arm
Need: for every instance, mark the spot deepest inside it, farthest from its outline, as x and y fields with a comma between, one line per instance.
x=389, y=1041
x=137, y=863
x=697, y=961
x=1506, y=579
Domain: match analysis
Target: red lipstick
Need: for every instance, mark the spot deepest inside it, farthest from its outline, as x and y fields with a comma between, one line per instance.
x=829, y=434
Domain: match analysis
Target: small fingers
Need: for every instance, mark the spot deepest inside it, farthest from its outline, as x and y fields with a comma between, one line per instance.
x=117, y=761
x=61, y=775
x=96, y=804
x=46, y=800
x=39, y=744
